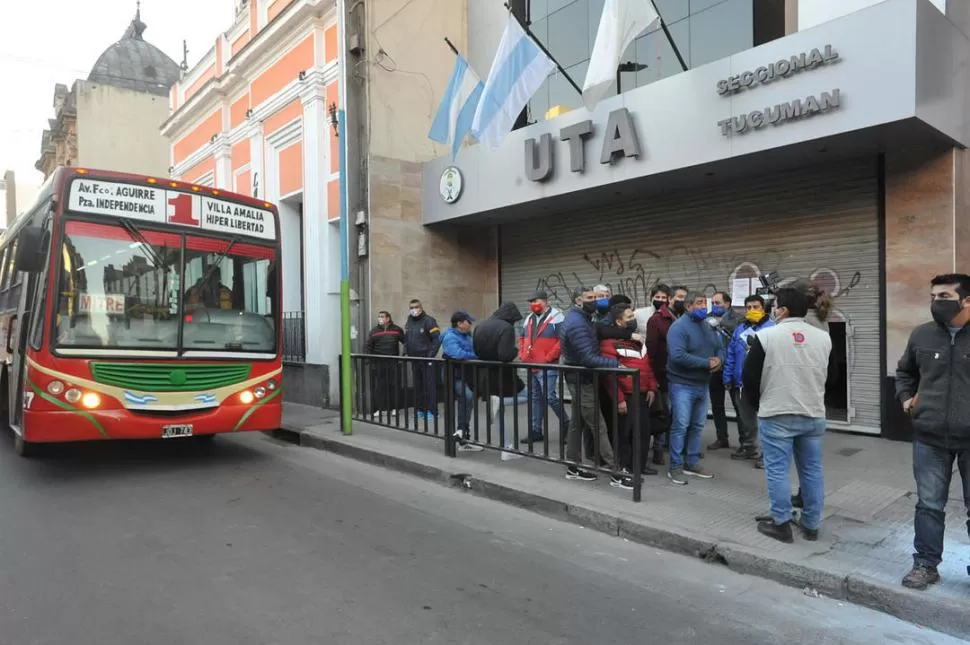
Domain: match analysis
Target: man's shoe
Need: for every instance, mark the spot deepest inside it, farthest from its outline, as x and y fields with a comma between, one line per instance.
x=533, y=439
x=621, y=481
x=470, y=447
x=699, y=472
x=809, y=534
x=759, y=463
x=676, y=476
x=575, y=472
x=920, y=577
x=648, y=470
x=720, y=444
x=797, y=501
x=780, y=532
x=744, y=454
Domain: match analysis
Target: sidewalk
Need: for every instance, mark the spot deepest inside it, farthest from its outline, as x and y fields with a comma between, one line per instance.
x=866, y=540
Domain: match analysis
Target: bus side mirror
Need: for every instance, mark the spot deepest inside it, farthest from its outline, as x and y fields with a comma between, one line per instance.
x=31, y=242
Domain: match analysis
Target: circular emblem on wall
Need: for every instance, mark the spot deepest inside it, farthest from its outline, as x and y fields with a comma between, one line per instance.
x=450, y=185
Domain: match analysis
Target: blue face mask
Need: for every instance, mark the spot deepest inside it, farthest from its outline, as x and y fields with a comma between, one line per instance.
x=602, y=304
x=718, y=311
x=698, y=314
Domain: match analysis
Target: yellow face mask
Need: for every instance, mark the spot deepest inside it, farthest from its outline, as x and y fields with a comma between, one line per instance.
x=754, y=317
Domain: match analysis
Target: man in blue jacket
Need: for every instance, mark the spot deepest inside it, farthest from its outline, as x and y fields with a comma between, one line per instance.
x=755, y=319
x=456, y=345
x=581, y=348
x=695, y=351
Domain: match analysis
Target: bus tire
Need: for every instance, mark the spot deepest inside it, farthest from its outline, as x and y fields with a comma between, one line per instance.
x=23, y=448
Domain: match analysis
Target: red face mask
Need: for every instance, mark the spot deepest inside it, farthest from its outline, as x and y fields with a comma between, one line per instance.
x=537, y=307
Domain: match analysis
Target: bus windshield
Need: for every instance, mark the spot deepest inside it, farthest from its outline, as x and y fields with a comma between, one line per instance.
x=122, y=288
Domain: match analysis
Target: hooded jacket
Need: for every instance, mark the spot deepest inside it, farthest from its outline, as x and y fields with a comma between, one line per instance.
x=935, y=368
x=494, y=338
x=633, y=355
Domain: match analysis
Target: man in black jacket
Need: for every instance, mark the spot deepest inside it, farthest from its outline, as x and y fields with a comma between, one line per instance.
x=495, y=340
x=385, y=339
x=422, y=339
x=932, y=381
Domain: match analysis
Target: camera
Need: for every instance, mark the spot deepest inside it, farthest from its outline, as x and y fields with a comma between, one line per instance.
x=769, y=286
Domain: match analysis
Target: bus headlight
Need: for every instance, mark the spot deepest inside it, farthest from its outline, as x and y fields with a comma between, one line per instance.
x=55, y=388
x=73, y=395
x=90, y=400
x=260, y=392
x=246, y=397
x=271, y=385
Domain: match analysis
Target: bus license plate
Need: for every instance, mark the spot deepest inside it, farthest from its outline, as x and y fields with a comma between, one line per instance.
x=171, y=432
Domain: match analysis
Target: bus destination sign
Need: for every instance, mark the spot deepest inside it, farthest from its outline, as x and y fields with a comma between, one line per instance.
x=155, y=204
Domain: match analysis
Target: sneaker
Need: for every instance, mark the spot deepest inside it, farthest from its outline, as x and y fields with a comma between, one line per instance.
x=720, y=444
x=507, y=455
x=621, y=481
x=430, y=416
x=759, y=463
x=649, y=470
x=535, y=438
x=377, y=415
x=676, y=476
x=780, y=532
x=699, y=472
x=393, y=413
x=744, y=454
x=575, y=472
x=921, y=577
x=466, y=446
x=809, y=534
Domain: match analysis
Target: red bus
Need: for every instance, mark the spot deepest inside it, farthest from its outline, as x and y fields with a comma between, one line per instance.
x=136, y=307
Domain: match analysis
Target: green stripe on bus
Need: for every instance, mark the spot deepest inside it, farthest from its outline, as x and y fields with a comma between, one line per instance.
x=67, y=406
x=253, y=409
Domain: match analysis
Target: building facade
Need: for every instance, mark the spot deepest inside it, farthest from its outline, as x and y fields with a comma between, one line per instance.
x=253, y=116
x=803, y=140
x=122, y=100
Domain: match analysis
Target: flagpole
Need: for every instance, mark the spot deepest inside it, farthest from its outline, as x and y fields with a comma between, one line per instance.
x=528, y=32
x=670, y=39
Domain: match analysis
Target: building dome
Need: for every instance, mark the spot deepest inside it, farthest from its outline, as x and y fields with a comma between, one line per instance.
x=134, y=64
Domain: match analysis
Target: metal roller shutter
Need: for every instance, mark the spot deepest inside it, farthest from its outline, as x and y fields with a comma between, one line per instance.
x=818, y=222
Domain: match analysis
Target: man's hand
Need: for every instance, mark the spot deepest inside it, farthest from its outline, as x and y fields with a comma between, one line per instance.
x=651, y=397
x=910, y=405
x=621, y=407
x=715, y=363
x=640, y=338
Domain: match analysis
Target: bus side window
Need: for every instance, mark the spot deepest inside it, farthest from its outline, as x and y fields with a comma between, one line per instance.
x=7, y=253
x=11, y=280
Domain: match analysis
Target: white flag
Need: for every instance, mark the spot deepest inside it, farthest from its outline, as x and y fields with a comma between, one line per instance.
x=622, y=21
x=518, y=70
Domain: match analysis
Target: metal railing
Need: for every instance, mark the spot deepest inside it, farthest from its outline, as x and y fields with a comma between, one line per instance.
x=465, y=403
x=294, y=337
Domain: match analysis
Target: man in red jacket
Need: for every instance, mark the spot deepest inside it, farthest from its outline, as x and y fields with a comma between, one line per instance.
x=539, y=343
x=631, y=354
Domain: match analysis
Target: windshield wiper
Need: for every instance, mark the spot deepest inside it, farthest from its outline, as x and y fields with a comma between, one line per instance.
x=146, y=245
x=219, y=258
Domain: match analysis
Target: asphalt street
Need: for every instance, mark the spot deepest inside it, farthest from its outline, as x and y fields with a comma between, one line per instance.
x=254, y=541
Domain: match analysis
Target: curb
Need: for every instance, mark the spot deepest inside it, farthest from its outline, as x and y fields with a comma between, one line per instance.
x=922, y=608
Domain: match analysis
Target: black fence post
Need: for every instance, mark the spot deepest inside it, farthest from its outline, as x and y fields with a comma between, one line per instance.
x=637, y=461
x=450, y=447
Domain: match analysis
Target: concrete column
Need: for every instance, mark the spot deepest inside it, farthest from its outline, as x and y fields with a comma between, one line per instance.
x=223, y=158
x=256, y=160
x=321, y=264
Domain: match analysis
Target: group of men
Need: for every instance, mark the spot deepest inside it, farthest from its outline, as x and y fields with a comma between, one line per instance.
x=690, y=353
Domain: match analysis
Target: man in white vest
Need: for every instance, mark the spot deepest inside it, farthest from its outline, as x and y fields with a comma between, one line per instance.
x=784, y=380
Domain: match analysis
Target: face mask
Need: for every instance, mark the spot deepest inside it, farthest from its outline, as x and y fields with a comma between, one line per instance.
x=698, y=314
x=415, y=313
x=679, y=307
x=717, y=310
x=632, y=325
x=602, y=304
x=381, y=322
x=944, y=311
x=536, y=308
x=589, y=306
x=658, y=304
x=754, y=317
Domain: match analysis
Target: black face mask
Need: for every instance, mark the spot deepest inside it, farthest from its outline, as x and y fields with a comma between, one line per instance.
x=658, y=304
x=589, y=306
x=944, y=311
x=632, y=325
x=679, y=307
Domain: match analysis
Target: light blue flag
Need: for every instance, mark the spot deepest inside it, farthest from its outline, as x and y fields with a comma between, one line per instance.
x=457, y=109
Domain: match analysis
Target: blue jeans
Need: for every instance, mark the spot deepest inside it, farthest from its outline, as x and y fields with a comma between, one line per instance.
x=544, y=394
x=781, y=437
x=688, y=409
x=466, y=403
x=933, y=469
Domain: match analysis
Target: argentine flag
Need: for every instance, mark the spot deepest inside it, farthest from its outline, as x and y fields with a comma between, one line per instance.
x=518, y=71
x=454, y=118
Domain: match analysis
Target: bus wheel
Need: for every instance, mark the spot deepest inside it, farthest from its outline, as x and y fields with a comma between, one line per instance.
x=23, y=448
